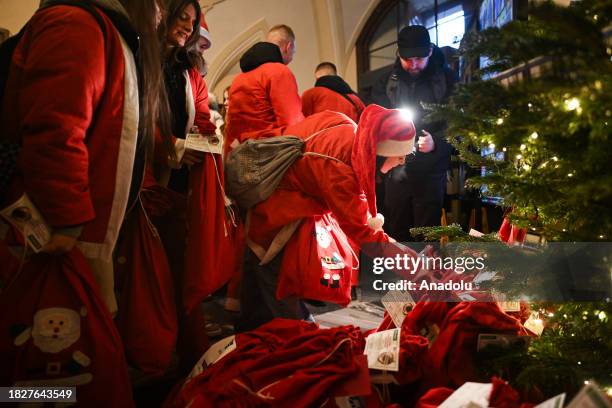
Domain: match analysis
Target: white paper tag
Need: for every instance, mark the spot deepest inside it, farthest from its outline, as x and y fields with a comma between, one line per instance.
x=534, y=324
x=501, y=340
x=204, y=143
x=219, y=350
x=24, y=215
x=469, y=394
x=382, y=349
x=398, y=304
x=590, y=396
x=475, y=233
x=554, y=402
x=510, y=306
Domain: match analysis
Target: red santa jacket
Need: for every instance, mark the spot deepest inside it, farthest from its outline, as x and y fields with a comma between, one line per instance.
x=77, y=119
x=319, y=99
x=316, y=185
x=264, y=99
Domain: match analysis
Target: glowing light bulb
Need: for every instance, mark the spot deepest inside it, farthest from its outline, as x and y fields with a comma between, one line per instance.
x=570, y=174
x=602, y=315
x=523, y=147
x=555, y=158
x=534, y=135
x=492, y=145
x=572, y=104
x=500, y=121
x=504, y=149
x=519, y=156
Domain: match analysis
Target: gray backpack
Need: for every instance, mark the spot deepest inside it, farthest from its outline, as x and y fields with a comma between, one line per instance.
x=254, y=169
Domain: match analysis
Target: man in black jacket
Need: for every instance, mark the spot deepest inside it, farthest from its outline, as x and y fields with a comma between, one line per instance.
x=414, y=193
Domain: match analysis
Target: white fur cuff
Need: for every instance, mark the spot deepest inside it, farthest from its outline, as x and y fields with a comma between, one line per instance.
x=376, y=223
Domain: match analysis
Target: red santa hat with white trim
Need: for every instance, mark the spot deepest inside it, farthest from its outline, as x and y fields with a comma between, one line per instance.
x=204, y=30
x=381, y=132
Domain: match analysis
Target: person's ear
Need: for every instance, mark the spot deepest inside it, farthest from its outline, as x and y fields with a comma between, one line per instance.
x=430, y=51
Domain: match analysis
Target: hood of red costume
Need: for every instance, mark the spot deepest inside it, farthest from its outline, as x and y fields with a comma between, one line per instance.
x=376, y=125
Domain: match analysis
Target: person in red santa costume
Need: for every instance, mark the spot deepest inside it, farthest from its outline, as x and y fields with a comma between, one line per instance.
x=338, y=178
x=331, y=92
x=77, y=105
x=264, y=99
x=192, y=237
x=76, y=116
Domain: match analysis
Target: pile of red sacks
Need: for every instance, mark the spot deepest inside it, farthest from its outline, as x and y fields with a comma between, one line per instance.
x=284, y=363
x=294, y=363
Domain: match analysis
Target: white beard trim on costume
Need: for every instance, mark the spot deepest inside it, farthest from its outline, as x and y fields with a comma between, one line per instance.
x=376, y=223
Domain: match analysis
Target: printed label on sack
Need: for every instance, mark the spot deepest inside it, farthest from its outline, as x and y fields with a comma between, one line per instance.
x=470, y=394
x=218, y=350
x=382, y=349
x=204, y=143
x=501, y=341
x=590, y=396
x=398, y=304
x=555, y=402
x=24, y=216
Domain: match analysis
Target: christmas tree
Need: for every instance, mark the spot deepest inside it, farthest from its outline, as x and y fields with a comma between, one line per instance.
x=553, y=130
x=544, y=113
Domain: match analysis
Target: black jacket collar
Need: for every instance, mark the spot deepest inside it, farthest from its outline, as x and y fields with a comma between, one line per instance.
x=259, y=54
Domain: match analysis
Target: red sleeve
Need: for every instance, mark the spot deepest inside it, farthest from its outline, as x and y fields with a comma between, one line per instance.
x=308, y=103
x=335, y=184
x=358, y=104
x=63, y=78
x=200, y=97
x=284, y=97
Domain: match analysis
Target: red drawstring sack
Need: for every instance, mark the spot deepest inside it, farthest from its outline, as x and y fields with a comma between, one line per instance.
x=434, y=397
x=147, y=319
x=282, y=363
x=452, y=353
x=504, y=396
x=318, y=262
x=59, y=333
x=212, y=238
x=511, y=233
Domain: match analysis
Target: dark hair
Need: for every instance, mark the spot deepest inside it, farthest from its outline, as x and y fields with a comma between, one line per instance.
x=142, y=14
x=188, y=53
x=327, y=64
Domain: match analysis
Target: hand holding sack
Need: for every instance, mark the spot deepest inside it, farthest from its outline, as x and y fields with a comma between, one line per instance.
x=59, y=332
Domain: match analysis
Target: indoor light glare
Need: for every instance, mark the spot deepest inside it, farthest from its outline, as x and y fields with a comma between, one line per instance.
x=407, y=113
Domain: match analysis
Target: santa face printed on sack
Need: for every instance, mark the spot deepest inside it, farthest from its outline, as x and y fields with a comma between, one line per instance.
x=55, y=329
x=324, y=238
x=54, y=332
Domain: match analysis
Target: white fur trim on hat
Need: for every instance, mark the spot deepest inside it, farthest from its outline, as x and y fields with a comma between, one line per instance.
x=376, y=223
x=392, y=148
x=205, y=33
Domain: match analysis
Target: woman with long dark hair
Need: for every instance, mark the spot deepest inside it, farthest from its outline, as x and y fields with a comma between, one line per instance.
x=194, y=252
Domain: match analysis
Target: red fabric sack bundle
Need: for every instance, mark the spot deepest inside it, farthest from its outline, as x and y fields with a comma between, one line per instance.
x=504, y=396
x=452, y=353
x=212, y=239
x=434, y=397
x=318, y=262
x=59, y=332
x=147, y=319
x=283, y=363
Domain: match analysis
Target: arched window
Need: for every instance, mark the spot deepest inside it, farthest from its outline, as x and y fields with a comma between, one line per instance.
x=446, y=20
